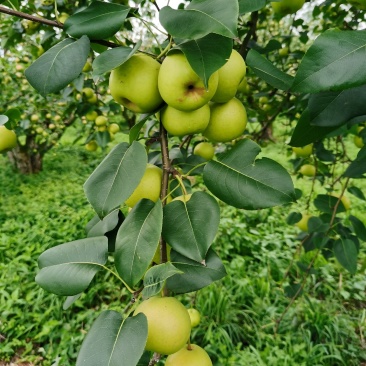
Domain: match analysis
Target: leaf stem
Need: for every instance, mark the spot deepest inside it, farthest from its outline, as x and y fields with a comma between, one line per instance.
x=164, y=189
x=117, y=275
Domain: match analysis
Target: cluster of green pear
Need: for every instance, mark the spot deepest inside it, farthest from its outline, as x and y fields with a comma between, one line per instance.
x=101, y=124
x=169, y=326
x=143, y=85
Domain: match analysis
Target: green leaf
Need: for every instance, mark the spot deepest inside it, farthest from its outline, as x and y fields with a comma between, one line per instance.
x=13, y=114
x=200, y=18
x=68, y=269
x=243, y=182
x=293, y=218
x=202, y=54
x=345, y=251
x=14, y=3
x=316, y=225
x=267, y=71
x=196, y=275
x=3, y=120
x=116, y=177
x=305, y=133
x=137, y=240
x=136, y=129
x=357, y=168
x=113, y=58
x=98, y=227
x=359, y=227
x=69, y=301
x=60, y=65
x=155, y=278
x=99, y=20
x=335, y=61
x=326, y=203
x=356, y=192
x=248, y=6
x=111, y=340
x=190, y=227
x=330, y=109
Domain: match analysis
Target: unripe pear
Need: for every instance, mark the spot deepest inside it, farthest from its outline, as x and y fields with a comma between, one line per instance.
x=168, y=324
x=230, y=76
x=8, y=139
x=195, y=317
x=134, y=84
x=101, y=120
x=227, y=121
x=113, y=128
x=204, y=150
x=181, y=123
x=180, y=87
x=308, y=170
x=303, y=223
x=191, y=355
x=304, y=151
x=149, y=186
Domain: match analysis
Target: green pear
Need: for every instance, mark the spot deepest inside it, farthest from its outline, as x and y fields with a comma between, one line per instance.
x=134, y=84
x=230, y=77
x=180, y=87
x=191, y=355
x=8, y=139
x=181, y=123
x=227, y=121
x=204, y=150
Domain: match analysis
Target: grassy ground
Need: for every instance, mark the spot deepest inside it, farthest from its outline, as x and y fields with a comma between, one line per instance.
x=241, y=313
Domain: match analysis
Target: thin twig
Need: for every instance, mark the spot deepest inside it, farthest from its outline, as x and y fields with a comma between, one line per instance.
x=51, y=23
x=251, y=34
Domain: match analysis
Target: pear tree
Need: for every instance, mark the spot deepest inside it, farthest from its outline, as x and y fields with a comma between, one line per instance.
x=153, y=228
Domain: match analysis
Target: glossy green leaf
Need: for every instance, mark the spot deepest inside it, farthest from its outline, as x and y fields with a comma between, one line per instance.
x=100, y=20
x=113, y=58
x=267, y=71
x=248, y=6
x=243, y=182
x=356, y=192
x=293, y=218
x=111, y=340
x=190, y=227
x=69, y=301
x=335, y=61
x=155, y=278
x=305, y=133
x=196, y=275
x=13, y=3
x=359, y=227
x=357, y=168
x=116, y=177
x=202, y=54
x=136, y=129
x=329, y=109
x=326, y=203
x=200, y=18
x=345, y=251
x=137, y=240
x=68, y=269
x=98, y=227
x=60, y=65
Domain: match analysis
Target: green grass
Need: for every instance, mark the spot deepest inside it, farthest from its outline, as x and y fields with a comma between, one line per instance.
x=239, y=313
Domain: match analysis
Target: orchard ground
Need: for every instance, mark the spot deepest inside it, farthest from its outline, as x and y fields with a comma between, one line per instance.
x=239, y=313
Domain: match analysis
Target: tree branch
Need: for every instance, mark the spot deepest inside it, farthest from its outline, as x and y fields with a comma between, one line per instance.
x=251, y=34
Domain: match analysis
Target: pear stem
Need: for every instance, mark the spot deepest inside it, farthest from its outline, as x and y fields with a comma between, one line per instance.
x=164, y=190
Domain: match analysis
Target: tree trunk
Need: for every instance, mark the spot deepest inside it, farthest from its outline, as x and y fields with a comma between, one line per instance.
x=26, y=161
